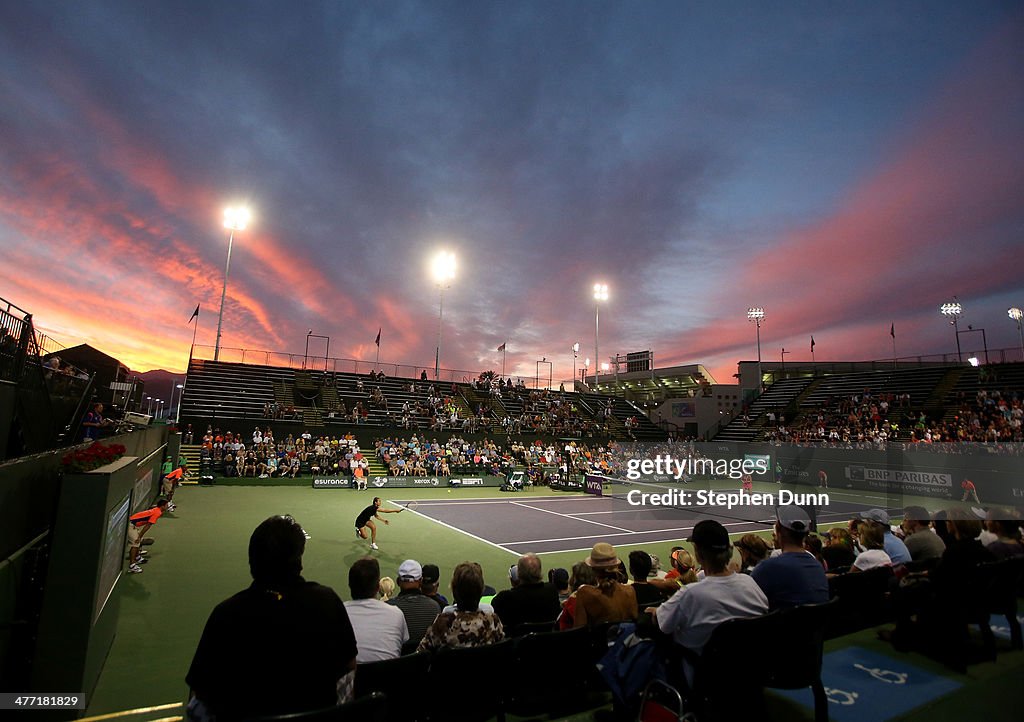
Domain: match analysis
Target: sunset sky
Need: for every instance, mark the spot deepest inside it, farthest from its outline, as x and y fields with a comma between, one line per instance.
x=846, y=166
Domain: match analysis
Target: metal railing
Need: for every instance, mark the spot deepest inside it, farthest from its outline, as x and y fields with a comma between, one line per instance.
x=330, y=364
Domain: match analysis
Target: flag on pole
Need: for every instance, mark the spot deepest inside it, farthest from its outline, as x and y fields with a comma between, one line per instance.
x=195, y=314
x=378, y=337
x=812, y=344
x=892, y=329
x=502, y=347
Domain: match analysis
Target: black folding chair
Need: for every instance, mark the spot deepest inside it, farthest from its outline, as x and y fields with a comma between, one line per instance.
x=470, y=684
x=399, y=678
x=370, y=708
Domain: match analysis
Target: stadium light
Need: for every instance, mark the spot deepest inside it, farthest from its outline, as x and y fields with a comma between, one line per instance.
x=600, y=294
x=177, y=409
x=235, y=219
x=952, y=311
x=575, y=353
x=443, y=271
x=1016, y=314
x=756, y=315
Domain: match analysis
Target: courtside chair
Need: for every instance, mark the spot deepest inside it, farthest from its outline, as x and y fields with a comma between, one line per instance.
x=557, y=673
x=370, y=708
x=791, y=642
x=470, y=684
x=399, y=678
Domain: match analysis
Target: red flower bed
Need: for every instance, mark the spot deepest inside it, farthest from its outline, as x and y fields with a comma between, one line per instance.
x=92, y=457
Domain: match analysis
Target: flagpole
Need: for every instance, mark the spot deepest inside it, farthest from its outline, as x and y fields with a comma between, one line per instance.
x=892, y=332
x=504, y=350
x=191, y=350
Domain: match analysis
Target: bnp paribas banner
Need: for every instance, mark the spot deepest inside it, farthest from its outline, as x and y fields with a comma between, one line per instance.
x=989, y=474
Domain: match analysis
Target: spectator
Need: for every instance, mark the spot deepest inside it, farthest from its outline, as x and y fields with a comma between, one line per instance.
x=611, y=600
x=419, y=610
x=647, y=592
x=431, y=578
x=386, y=589
x=1007, y=531
x=684, y=568
x=873, y=556
x=692, y=613
x=894, y=546
x=560, y=579
x=380, y=628
x=813, y=546
x=582, y=575
x=920, y=540
x=282, y=645
x=531, y=599
x=753, y=550
x=794, y=576
x=838, y=550
x=468, y=625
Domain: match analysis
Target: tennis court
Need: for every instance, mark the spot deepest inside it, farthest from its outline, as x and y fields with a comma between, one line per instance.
x=575, y=522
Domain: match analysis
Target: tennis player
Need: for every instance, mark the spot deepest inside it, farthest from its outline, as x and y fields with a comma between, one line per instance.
x=366, y=517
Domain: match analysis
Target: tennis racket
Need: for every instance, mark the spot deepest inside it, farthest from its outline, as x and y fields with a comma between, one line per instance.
x=412, y=505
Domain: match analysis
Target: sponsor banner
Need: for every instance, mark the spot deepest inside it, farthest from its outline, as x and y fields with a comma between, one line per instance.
x=592, y=485
x=569, y=484
x=912, y=471
x=419, y=482
x=332, y=482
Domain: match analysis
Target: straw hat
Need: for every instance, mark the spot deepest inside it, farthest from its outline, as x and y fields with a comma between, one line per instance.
x=602, y=556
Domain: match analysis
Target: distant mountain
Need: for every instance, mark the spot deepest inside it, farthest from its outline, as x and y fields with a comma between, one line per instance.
x=160, y=382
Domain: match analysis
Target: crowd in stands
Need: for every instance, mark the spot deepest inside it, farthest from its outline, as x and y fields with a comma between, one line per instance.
x=262, y=456
x=438, y=408
x=546, y=412
x=871, y=421
x=266, y=458
x=990, y=416
x=419, y=457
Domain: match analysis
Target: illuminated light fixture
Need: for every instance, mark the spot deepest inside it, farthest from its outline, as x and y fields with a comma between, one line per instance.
x=443, y=271
x=1015, y=314
x=952, y=311
x=755, y=314
x=235, y=219
x=600, y=294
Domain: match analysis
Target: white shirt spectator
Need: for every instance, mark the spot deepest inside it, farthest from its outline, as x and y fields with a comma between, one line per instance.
x=380, y=629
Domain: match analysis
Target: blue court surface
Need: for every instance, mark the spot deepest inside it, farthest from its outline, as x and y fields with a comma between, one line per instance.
x=575, y=522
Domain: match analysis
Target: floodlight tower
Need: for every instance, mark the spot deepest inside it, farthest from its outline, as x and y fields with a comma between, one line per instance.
x=952, y=311
x=600, y=294
x=756, y=315
x=235, y=219
x=1016, y=315
x=443, y=271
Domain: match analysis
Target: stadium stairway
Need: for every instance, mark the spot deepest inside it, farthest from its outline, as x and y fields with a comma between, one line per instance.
x=778, y=397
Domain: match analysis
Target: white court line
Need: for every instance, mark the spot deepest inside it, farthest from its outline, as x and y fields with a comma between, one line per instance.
x=502, y=500
x=649, y=531
x=570, y=516
x=643, y=543
x=461, y=531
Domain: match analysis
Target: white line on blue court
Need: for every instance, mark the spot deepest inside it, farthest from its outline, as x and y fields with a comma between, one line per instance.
x=455, y=528
x=645, y=531
x=570, y=516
